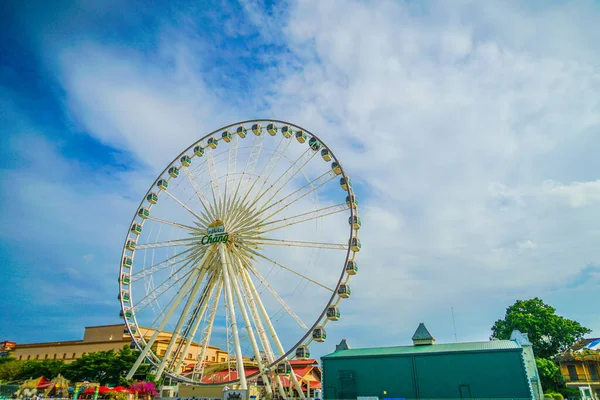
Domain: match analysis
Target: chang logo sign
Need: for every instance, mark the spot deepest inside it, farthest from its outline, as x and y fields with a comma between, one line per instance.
x=215, y=233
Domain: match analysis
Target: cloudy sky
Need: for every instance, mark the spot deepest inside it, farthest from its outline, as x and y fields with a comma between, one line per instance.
x=471, y=130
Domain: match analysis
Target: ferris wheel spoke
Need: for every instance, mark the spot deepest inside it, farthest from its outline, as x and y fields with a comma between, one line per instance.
x=231, y=172
x=269, y=260
x=287, y=176
x=297, y=195
x=175, y=224
x=276, y=296
x=208, y=330
x=304, y=217
x=267, y=170
x=204, y=218
x=264, y=241
x=173, y=260
x=155, y=294
x=209, y=210
x=152, y=296
x=251, y=162
x=189, y=331
x=166, y=243
x=214, y=183
x=270, y=326
x=242, y=306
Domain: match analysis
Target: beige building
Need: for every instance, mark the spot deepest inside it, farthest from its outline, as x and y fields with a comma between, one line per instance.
x=107, y=337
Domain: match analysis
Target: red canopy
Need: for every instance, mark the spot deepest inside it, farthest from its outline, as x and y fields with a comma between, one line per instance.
x=121, y=389
x=92, y=389
x=44, y=383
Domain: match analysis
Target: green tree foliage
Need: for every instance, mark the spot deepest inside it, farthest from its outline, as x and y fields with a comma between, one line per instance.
x=550, y=375
x=92, y=367
x=105, y=367
x=47, y=368
x=10, y=369
x=549, y=333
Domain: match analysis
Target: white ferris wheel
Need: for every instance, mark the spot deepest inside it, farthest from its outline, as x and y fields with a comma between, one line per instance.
x=244, y=243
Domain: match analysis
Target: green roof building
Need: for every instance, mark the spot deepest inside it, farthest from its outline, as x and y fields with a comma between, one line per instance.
x=499, y=369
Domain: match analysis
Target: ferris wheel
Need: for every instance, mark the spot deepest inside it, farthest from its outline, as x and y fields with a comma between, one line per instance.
x=238, y=257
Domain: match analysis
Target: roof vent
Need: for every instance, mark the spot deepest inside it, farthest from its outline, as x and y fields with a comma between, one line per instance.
x=342, y=346
x=422, y=337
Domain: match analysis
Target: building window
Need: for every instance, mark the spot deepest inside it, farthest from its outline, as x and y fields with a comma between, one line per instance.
x=572, y=373
x=222, y=359
x=64, y=355
x=45, y=356
x=28, y=357
x=74, y=354
x=593, y=372
x=206, y=358
x=212, y=358
x=189, y=355
x=54, y=357
x=37, y=356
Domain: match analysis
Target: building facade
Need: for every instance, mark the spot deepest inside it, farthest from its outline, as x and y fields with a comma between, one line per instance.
x=108, y=337
x=580, y=367
x=494, y=369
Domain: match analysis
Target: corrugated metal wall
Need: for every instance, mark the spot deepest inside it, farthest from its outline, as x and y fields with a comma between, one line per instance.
x=498, y=374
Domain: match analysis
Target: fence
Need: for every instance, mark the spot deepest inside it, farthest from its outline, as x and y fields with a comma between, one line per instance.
x=8, y=390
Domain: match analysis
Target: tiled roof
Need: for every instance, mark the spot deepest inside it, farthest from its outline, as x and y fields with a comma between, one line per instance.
x=594, y=344
x=436, y=348
x=309, y=361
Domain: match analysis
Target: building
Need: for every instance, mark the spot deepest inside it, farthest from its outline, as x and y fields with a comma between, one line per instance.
x=108, y=337
x=493, y=369
x=6, y=348
x=580, y=366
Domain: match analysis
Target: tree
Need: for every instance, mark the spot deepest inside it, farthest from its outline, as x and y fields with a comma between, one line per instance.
x=37, y=368
x=105, y=367
x=550, y=376
x=10, y=370
x=92, y=367
x=4, y=360
x=549, y=333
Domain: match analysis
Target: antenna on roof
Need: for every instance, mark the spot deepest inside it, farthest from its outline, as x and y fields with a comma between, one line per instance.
x=454, y=324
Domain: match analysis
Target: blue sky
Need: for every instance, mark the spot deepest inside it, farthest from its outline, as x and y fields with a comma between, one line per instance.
x=471, y=125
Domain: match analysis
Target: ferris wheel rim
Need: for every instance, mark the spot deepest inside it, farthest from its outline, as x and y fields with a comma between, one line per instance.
x=140, y=341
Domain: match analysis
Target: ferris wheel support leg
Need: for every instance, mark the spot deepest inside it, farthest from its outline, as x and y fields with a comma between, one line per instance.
x=234, y=328
x=208, y=331
x=146, y=350
x=262, y=334
x=195, y=326
x=259, y=327
x=188, y=304
x=273, y=332
x=249, y=329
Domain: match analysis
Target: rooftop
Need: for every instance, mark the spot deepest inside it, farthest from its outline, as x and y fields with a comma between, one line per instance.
x=430, y=349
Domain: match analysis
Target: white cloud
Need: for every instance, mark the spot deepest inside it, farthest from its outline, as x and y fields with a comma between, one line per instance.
x=575, y=194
